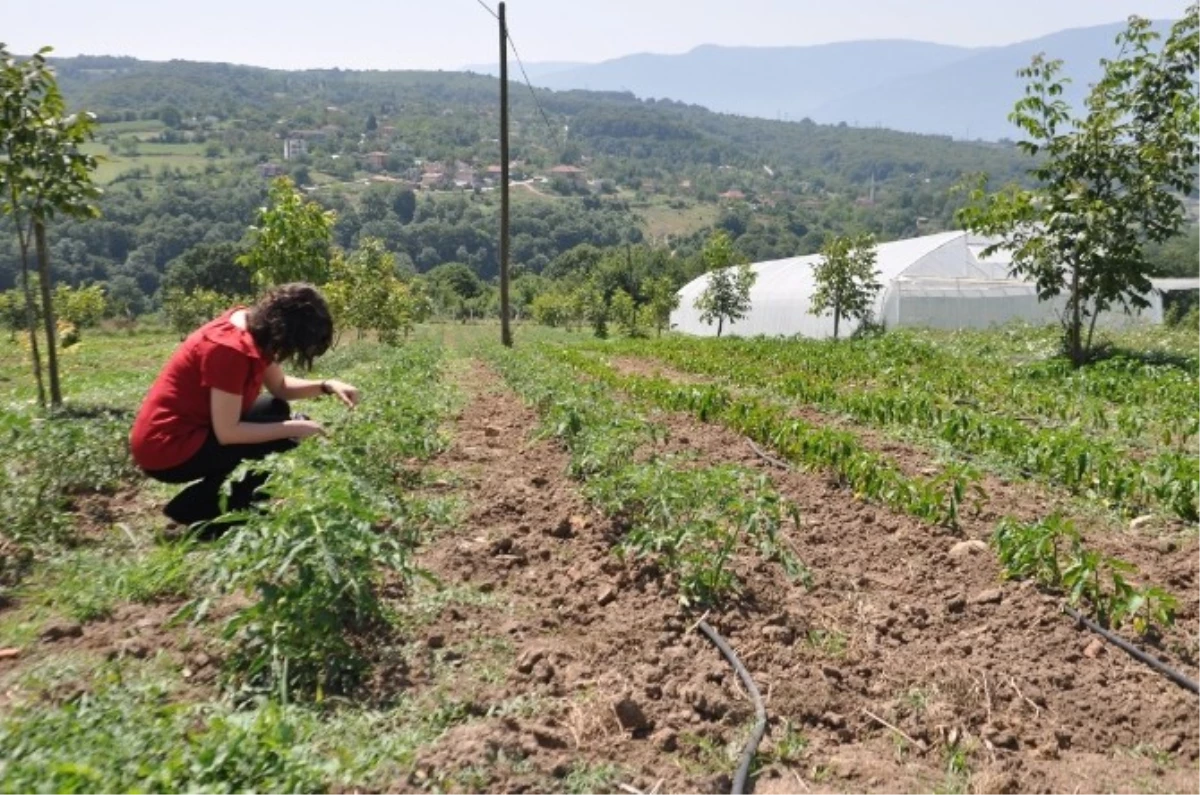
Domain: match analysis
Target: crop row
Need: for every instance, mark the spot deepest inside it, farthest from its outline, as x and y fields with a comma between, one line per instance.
x=1069, y=456
x=690, y=520
x=1133, y=404
x=1025, y=549
x=1051, y=552
x=336, y=525
x=953, y=363
x=49, y=463
x=938, y=500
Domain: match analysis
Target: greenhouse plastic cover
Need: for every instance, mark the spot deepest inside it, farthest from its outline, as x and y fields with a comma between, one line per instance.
x=938, y=281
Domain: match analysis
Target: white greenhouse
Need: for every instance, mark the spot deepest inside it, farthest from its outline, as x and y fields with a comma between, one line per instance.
x=936, y=281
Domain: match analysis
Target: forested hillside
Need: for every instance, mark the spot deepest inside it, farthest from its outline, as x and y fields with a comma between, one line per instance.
x=187, y=151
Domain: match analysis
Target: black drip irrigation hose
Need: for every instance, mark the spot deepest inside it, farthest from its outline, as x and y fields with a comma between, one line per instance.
x=1133, y=651
x=764, y=455
x=760, y=711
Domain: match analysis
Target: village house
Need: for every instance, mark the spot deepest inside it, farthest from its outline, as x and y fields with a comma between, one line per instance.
x=569, y=173
x=464, y=175
x=432, y=175
x=294, y=147
x=377, y=161
x=490, y=176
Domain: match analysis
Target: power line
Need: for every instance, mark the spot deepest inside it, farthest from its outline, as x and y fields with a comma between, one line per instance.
x=524, y=74
x=488, y=9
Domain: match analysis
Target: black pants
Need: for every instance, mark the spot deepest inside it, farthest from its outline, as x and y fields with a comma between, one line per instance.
x=214, y=462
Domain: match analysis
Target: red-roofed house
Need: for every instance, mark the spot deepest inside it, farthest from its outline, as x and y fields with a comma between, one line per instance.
x=569, y=173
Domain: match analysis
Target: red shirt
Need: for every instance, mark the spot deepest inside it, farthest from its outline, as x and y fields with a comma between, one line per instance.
x=176, y=416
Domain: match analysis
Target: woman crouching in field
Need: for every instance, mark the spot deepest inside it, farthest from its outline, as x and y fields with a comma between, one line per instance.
x=203, y=415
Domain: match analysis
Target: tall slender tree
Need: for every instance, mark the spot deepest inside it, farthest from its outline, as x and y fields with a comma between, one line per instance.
x=44, y=172
x=846, y=279
x=727, y=296
x=663, y=299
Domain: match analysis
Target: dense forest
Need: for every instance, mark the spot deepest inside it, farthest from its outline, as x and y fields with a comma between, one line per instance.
x=188, y=150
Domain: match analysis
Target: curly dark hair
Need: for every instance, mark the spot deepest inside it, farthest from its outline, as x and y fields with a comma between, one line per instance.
x=291, y=323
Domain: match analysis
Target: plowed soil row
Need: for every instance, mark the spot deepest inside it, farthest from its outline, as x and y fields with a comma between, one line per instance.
x=939, y=647
x=1022, y=499
x=598, y=673
x=584, y=672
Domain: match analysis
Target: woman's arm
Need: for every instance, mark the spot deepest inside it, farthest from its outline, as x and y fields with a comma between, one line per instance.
x=288, y=387
x=226, y=408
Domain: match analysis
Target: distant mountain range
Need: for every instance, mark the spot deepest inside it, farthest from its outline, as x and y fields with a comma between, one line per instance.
x=902, y=85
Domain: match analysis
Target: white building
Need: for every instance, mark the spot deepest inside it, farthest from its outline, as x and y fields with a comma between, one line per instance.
x=936, y=281
x=1162, y=288
x=294, y=147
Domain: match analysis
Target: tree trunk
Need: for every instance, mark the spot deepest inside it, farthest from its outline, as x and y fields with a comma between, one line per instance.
x=30, y=312
x=720, y=323
x=31, y=318
x=836, y=317
x=1073, y=333
x=1087, y=346
x=43, y=255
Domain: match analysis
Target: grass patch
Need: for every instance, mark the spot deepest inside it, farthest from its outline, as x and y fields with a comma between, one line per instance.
x=787, y=750
x=21, y=625
x=702, y=756
x=150, y=154
x=136, y=126
x=88, y=584
x=586, y=777
x=129, y=732
x=427, y=600
x=123, y=738
x=829, y=643
x=660, y=221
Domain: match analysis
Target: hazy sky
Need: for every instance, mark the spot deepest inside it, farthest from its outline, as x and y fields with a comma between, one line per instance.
x=448, y=34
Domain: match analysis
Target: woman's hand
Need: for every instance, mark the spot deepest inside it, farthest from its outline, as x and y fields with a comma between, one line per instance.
x=302, y=429
x=346, y=393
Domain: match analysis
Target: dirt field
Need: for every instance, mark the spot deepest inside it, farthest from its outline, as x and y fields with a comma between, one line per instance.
x=904, y=627
x=536, y=658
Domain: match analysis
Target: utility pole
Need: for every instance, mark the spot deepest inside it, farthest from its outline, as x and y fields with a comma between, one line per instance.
x=505, y=330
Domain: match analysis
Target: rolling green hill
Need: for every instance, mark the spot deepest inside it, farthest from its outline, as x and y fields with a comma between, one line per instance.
x=188, y=148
